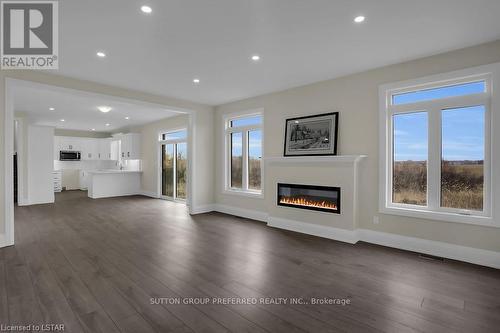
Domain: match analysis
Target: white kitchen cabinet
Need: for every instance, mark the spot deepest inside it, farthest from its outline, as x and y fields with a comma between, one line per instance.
x=99, y=149
x=57, y=177
x=130, y=146
x=90, y=149
x=115, y=150
x=70, y=143
x=104, y=153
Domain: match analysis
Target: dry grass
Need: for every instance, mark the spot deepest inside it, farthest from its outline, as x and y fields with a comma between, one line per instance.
x=410, y=183
x=461, y=187
x=254, y=176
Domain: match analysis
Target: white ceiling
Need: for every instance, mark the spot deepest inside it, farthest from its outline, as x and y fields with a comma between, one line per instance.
x=79, y=110
x=300, y=41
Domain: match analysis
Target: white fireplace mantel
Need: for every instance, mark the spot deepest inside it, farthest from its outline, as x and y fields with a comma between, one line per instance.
x=338, y=171
x=314, y=159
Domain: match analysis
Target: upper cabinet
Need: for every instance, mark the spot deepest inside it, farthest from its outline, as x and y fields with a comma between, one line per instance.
x=90, y=149
x=130, y=146
x=70, y=143
x=104, y=149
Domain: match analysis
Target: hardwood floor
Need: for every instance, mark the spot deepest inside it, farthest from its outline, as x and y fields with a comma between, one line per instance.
x=97, y=265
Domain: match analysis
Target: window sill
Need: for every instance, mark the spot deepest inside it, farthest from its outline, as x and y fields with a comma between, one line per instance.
x=440, y=216
x=250, y=194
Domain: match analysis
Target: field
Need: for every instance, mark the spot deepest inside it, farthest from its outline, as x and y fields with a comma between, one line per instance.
x=253, y=173
x=461, y=184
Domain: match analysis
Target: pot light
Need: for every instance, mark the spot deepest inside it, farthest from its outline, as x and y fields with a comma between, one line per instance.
x=63, y=120
x=146, y=9
x=93, y=129
x=256, y=57
x=101, y=54
x=196, y=81
x=52, y=109
x=104, y=109
x=107, y=125
x=359, y=19
x=127, y=118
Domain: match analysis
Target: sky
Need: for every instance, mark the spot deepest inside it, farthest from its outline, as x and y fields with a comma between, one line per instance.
x=462, y=135
x=462, y=128
x=254, y=137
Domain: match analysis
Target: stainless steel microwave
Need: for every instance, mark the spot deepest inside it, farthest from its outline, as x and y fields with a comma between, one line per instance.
x=67, y=155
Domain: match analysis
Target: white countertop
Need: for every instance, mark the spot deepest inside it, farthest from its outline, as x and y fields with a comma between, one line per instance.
x=113, y=172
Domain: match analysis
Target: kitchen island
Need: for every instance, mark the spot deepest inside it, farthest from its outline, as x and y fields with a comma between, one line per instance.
x=113, y=183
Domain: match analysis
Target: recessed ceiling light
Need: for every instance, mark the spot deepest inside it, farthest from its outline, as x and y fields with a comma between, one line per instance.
x=359, y=19
x=101, y=54
x=127, y=118
x=108, y=125
x=93, y=129
x=104, y=109
x=146, y=9
x=51, y=109
x=63, y=120
x=196, y=81
x=256, y=57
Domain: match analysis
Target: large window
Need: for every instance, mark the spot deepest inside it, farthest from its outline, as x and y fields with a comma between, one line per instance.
x=243, y=137
x=436, y=151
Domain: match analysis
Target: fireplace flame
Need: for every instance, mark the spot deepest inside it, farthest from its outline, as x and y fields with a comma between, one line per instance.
x=300, y=201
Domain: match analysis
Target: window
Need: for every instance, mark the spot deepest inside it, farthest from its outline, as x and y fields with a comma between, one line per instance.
x=176, y=135
x=243, y=137
x=409, y=176
x=173, y=146
x=435, y=153
x=462, y=158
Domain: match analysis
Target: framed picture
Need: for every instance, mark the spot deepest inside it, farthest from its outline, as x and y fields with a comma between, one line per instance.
x=312, y=135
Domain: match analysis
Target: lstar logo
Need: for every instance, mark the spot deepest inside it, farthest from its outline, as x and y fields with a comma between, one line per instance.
x=29, y=38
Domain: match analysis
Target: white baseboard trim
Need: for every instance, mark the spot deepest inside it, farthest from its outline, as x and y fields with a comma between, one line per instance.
x=247, y=213
x=419, y=245
x=202, y=209
x=343, y=235
x=435, y=248
x=149, y=194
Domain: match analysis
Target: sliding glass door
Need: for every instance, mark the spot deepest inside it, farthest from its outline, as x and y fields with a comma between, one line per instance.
x=174, y=165
x=180, y=170
x=167, y=171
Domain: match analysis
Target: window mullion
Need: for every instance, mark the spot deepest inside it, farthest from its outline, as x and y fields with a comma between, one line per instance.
x=434, y=162
x=245, y=160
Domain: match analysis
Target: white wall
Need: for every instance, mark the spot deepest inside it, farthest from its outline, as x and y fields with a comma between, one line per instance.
x=356, y=98
x=150, y=149
x=203, y=163
x=40, y=144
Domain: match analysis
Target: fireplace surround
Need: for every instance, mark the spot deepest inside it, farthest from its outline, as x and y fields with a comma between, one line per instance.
x=311, y=197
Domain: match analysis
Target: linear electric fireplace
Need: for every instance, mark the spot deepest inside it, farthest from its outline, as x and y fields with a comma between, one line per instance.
x=322, y=198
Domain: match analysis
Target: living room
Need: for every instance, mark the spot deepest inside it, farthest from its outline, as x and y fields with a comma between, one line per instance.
x=280, y=166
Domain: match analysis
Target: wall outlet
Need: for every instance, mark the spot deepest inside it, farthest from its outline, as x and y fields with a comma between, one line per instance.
x=376, y=220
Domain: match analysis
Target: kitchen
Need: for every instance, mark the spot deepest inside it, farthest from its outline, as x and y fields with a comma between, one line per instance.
x=66, y=140
x=104, y=167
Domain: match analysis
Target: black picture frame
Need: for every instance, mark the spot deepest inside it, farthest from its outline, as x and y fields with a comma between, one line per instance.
x=333, y=135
